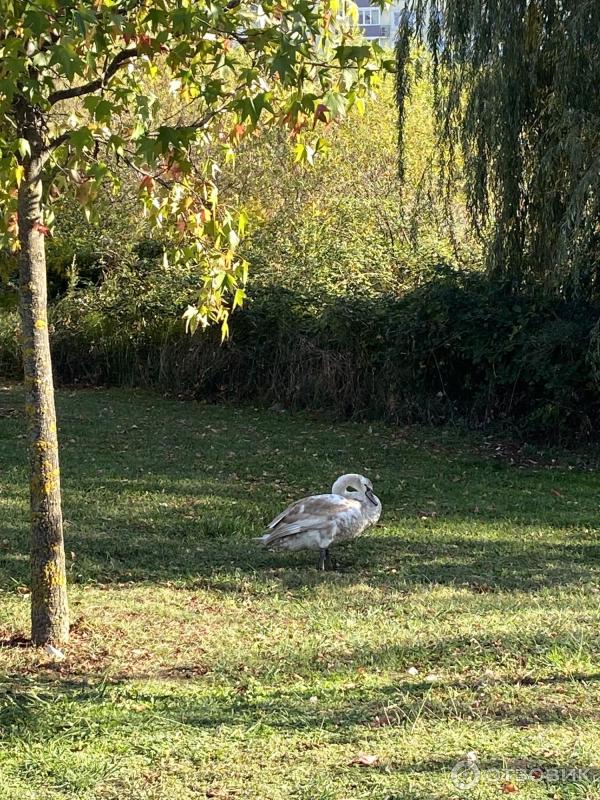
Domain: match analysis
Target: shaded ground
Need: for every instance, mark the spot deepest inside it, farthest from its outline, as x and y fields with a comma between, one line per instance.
x=202, y=667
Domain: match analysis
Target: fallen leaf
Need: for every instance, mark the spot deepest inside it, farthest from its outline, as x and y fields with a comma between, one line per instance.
x=54, y=652
x=508, y=787
x=537, y=773
x=364, y=760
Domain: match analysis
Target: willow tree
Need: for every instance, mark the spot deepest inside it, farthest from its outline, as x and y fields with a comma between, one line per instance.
x=79, y=111
x=518, y=109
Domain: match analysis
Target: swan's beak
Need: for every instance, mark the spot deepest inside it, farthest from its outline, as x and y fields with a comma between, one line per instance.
x=370, y=496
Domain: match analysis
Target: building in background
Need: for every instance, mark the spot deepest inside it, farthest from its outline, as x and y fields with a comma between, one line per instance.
x=380, y=24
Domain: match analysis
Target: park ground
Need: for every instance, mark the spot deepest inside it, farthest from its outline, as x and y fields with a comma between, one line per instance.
x=201, y=667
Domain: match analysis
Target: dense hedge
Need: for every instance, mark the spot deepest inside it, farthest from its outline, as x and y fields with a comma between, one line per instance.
x=456, y=348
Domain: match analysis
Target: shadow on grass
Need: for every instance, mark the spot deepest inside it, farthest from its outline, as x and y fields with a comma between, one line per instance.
x=144, y=551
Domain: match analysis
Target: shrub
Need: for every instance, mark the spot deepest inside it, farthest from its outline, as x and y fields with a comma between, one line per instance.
x=10, y=352
x=456, y=348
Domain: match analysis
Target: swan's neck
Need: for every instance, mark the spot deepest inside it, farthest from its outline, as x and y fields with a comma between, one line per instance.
x=339, y=487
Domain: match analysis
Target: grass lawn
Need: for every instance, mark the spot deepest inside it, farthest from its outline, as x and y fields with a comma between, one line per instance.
x=201, y=667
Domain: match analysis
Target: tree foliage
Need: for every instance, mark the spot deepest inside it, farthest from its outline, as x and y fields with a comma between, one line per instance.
x=84, y=74
x=344, y=226
x=517, y=99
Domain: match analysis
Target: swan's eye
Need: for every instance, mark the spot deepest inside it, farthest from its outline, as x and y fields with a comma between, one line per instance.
x=351, y=489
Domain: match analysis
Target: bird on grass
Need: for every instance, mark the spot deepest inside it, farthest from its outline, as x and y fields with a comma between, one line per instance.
x=317, y=522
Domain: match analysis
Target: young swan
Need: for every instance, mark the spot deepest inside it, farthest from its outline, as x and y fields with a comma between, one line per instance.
x=317, y=522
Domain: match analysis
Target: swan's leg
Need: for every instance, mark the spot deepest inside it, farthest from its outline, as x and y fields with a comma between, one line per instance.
x=323, y=553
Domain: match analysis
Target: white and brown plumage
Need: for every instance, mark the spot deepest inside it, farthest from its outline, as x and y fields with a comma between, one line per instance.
x=317, y=522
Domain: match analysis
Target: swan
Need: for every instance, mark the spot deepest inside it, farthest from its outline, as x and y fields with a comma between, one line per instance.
x=317, y=522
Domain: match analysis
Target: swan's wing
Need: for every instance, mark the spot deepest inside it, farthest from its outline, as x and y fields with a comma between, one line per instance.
x=316, y=512
x=287, y=511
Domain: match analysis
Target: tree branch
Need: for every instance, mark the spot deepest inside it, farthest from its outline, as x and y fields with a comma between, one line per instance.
x=57, y=141
x=87, y=88
x=160, y=180
x=203, y=121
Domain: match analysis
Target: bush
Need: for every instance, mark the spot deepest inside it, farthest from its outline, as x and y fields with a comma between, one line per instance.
x=10, y=353
x=457, y=348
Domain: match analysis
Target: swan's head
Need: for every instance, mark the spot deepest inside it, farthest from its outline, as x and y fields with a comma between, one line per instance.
x=355, y=486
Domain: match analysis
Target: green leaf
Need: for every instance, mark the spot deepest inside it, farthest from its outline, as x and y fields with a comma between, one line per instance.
x=238, y=298
x=66, y=57
x=282, y=65
x=82, y=139
x=100, y=108
x=23, y=147
x=190, y=315
x=36, y=21
x=336, y=103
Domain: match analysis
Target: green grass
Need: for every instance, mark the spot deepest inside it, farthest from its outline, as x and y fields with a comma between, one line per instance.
x=202, y=667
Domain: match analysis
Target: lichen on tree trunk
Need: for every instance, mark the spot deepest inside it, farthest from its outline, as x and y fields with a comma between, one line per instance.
x=49, y=605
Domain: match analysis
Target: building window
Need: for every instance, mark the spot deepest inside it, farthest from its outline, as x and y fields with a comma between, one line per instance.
x=368, y=16
x=398, y=15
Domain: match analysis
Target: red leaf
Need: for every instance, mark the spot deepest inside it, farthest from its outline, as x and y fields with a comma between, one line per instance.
x=238, y=132
x=147, y=183
x=174, y=171
x=43, y=229
x=321, y=113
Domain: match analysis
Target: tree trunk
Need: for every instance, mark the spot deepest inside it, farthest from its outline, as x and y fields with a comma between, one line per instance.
x=49, y=606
